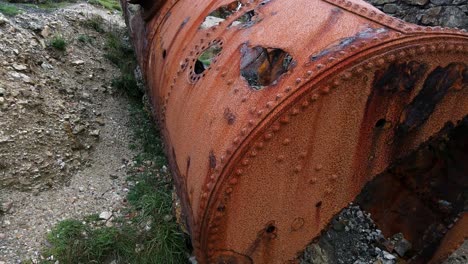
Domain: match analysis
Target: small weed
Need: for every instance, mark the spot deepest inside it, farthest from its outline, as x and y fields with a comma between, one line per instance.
x=108, y=4
x=58, y=43
x=120, y=53
x=9, y=10
x=95, y=22
x=85, y=39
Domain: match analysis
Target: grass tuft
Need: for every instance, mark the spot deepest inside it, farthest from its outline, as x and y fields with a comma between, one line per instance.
x=121, y=54
x=108, y=4
x=9, y=10
x=95, y=22
x=58, y=43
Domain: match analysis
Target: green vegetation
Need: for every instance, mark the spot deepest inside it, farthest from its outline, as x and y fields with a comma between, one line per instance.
x=85, y=39
x=9, y=10
x=145, y=232
x=94, y=22
x=58, y=43
x=108, y=4
x=120, y=52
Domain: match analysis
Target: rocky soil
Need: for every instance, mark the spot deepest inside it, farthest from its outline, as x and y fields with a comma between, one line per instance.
x=445, y=13
x=64, y=132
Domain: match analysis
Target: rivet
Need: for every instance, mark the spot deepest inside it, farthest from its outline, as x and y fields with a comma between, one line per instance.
x=251, y=122
x=342, y=53
x=260, y=145
x=260, y=113
x=331, y=59
x=391, y=58
x=245, y=162
x=278, y=96
x=313, y=180
x=223, y=158
x=309, y=73
x=369, y=65
x=284, y=120
x=334, y=177
x=230, y=82
x=233, y=181
x=286, y=141
x=236, y=140
x=305, y=104
x=239, y=172
x=236, y=90
x=422, y=50
x=229, y=190
x=353, y=48
x=280, y=158
x=318, y=167
x=253, y=153
x=297, y=169
x=298, y=80
x=380, y=62
x=297, y=224
x=314, y=97
x=204, y=195
x=320, y=66
x=359, y=70
x=276, y=127
x=346, y=76
x=287, y=89
x=270, y=105
x=252, y=110
x=244, y=131
x=325, y=90
x=268, y=136
x=295, y=111
x=336, y=83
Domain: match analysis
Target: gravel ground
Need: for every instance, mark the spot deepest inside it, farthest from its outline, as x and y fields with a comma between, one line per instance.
x=64, y=133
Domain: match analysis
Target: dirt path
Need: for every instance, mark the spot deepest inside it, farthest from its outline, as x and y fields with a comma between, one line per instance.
x=65, y=131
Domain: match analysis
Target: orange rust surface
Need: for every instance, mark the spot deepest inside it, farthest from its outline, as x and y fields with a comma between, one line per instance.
x=261, y=172
x=455, y=237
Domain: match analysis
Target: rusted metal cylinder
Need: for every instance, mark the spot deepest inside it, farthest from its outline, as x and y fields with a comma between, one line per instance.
x=276, y=114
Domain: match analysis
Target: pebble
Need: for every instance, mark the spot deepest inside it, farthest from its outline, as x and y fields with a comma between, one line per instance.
x=105, y=215
x=78, y=62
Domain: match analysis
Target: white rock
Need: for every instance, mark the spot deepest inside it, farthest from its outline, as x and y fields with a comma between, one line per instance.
x=105, y=215
x=19, y=67
x=388, y=255
x=78, y=62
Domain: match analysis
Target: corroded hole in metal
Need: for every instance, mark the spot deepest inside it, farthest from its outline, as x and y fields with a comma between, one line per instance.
x=422, y=194
x=246, y=20
x=262, y=67
x=222, y=13
x=207, y=57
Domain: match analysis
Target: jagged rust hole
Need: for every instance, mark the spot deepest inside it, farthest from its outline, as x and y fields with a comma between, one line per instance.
x=208, y=57
x=220, y=14
x=262, y=67
x=422, y=194
x=244, y=21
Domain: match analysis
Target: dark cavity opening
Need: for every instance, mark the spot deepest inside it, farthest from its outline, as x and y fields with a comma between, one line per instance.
x=164, y=54
x=380, y=123
x=262, y=67
x=270, y=229
x=220, y=14
x=423, y=194
x=208, y=57
x=319, y=204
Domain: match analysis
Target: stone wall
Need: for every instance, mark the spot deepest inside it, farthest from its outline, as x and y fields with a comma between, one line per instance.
x=445, y=13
